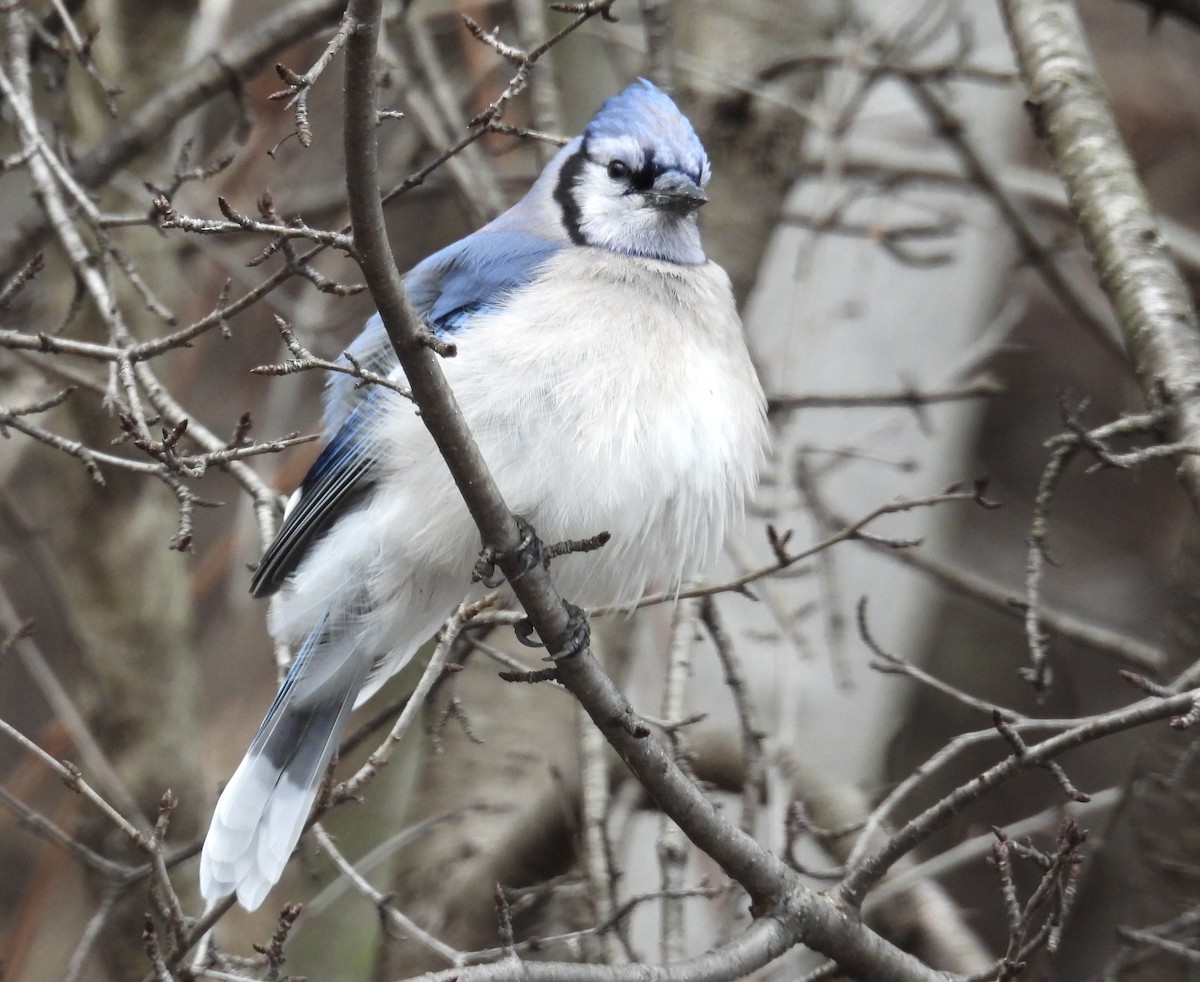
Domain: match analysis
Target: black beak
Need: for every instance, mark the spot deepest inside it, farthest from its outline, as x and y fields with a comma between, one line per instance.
x=676, y=193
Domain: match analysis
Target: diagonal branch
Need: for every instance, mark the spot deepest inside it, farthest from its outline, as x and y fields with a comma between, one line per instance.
x=788, y=911
x=1152, y=302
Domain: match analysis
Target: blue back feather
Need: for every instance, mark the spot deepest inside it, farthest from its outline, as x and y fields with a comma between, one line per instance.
x=475, y=273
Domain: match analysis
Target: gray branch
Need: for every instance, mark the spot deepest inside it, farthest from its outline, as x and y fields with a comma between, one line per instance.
x=1152, y=302
x=788, y=912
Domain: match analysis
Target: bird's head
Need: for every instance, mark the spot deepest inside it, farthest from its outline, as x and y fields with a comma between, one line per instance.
x=633, y=181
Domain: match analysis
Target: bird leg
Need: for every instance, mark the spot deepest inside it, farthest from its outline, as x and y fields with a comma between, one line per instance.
x=531, y=552
x=485, y=569
x=579, y=634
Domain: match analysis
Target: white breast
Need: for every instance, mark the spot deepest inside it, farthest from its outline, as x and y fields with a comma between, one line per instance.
x=615, y=394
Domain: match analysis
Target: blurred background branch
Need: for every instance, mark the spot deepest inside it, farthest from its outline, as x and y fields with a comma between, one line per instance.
x=920, y=302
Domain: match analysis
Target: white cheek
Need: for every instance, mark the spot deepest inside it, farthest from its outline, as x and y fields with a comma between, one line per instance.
x=611, y=219
x=605, y=219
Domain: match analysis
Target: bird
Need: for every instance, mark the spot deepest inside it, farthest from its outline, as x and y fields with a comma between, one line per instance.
x=601, y=366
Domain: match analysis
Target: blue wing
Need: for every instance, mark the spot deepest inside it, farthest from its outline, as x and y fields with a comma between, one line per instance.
x=474, y=275
x=343, y=393
x=337, y=480
x=469, y=277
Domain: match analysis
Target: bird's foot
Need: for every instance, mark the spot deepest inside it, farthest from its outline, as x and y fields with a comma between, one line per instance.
x=485, y=571
x=579, y=634
x=523, y=629
x=529, y=552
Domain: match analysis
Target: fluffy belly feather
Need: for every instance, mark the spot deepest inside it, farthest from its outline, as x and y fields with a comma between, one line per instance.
x=656, y=441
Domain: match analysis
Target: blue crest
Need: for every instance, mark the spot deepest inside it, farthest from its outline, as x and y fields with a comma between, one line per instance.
x=648, y=115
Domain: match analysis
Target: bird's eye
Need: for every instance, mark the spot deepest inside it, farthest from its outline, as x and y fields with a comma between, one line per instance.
x=618, y=170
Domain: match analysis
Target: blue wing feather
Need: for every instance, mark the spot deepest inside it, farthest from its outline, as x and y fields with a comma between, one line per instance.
x=337, y=480
x=343, y=393
x=475, y=274
x=449, y=290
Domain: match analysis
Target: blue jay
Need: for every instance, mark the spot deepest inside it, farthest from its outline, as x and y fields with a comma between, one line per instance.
x=602, y=368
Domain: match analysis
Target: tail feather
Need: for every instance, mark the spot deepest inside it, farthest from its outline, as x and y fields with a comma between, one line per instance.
x=262, y=811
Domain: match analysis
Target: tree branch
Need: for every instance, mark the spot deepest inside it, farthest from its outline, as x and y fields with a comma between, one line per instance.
x=789, y=911
x=1153, y=305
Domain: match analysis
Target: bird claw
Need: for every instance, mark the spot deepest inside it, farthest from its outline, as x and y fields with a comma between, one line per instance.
x=579, y=637
x=579, y=634
x=530, y=553
x=523, y=629
x=485, y=571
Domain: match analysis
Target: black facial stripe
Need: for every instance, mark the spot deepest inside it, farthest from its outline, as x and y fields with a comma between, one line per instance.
x=564, y=194
x=643, y=178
